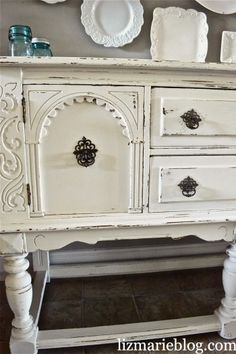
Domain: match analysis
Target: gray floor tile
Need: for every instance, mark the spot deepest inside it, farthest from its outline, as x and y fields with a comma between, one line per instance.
x=108, y=310
x=2, y=292
x=64, y=289
x=179, y=304
x=154, y=284
x=103, y=287
x=162, y=307
x=195, y=279
x=60, y=315
x=204, y=302
x=4, y=348
x=6, y=317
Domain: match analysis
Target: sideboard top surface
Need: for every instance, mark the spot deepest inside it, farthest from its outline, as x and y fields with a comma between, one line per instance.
x=115, y=62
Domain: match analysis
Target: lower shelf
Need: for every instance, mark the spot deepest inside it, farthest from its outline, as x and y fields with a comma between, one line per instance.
x=75, y=337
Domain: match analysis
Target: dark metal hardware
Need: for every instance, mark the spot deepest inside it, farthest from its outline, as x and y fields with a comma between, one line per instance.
x=28, y=193
x=23, y=109
x=191, y=119
x=188, y=187
x=85, y=152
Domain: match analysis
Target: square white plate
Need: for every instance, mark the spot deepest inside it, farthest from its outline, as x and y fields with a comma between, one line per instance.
x=179, y=34
x=228, y=47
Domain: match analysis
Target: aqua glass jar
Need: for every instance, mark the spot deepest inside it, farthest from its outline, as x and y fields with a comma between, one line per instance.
x=20, y=37
x=41, y=47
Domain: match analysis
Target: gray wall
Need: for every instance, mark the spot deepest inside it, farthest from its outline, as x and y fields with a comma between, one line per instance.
x=60, y=23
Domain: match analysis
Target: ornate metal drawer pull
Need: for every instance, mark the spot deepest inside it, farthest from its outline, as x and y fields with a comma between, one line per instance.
x=188, y=187
x=191, y=119
x=85, y=152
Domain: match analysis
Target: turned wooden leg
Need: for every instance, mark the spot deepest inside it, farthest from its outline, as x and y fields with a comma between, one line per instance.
x=19, y=296
x=227, y=310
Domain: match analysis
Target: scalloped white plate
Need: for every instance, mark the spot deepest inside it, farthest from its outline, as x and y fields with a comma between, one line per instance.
x=112, y=23
x=219, y=6
x=178, y=34
x=228, y=47
x=53, y=1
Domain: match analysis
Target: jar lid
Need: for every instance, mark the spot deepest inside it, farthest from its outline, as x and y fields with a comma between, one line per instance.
x=19, y=30
x=40, y=40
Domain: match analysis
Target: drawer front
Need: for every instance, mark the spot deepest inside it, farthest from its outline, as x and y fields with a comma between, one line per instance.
x=192, y=183
x=181, y=117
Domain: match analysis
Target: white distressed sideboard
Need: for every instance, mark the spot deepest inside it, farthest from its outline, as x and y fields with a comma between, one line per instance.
x=103, y=149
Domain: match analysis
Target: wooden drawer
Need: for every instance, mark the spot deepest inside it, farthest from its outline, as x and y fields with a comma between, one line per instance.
x=193, y=117
x=192, y=183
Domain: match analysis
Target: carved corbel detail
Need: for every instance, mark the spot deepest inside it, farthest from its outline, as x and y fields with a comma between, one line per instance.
x=13, y=243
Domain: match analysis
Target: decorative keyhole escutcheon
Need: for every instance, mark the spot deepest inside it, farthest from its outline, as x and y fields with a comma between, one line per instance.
x=85, y=152
x=191, y=119
x=188, y=187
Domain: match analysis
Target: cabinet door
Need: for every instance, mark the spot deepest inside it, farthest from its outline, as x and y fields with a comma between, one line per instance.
x=85, y=148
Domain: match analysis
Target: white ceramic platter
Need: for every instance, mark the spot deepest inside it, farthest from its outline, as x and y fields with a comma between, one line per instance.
x=112, y=23
x=228, y=47
x=178, y=34
x=219, y=6
x=53, y=1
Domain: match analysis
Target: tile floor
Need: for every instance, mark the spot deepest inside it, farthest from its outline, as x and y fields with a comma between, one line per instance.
x=111, y=300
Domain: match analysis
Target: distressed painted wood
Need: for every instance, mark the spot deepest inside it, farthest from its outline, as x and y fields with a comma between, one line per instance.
x=174, y=109
x=141, y=252
x=135, y=331
x=135, y=267
x=137, y=113
x=41, y=262
x=176, y=221
x=95, y=114
x=212, y=177
x=227, y=311
x=19, y=296
x=124, y=71
x=13, y=177
x=39, y=285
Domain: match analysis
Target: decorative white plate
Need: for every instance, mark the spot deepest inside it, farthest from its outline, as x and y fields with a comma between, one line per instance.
x=178, y=34
x=228, y=47
x=219, y=6
x=112, y=23
x=53, y=1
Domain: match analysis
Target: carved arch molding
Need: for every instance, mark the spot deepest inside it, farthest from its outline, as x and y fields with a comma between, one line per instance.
x=101, y=102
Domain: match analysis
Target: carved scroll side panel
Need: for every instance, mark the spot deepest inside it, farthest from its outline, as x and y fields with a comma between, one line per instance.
x=12, y=154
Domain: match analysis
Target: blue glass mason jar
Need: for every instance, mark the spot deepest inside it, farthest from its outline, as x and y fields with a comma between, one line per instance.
x=20, y=37
x=41, y=47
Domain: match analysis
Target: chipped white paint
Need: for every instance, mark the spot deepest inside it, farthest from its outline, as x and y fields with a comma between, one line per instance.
x=19, y=296
x=213, y=108
x=49, y=201
x=211, y=173
x=12, y=155
x=227, y=310
x=131, y=332
x=12, y=243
